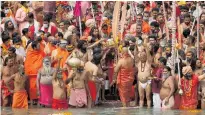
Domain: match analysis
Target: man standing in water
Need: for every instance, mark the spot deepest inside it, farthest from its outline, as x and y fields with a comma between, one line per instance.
x=189, y=85
x=125, y=72
x=144, y=61
x=167, y=89
x=8, y=74
x=44, y=83
x=79, y=89
x=59, y=90
x=20, y=97
x=93, y=72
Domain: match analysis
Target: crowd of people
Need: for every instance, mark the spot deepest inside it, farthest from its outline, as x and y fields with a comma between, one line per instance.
x=60, y=54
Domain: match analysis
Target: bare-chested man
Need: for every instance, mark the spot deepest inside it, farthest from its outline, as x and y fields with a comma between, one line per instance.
x=143, y=62
x=79, y=90
x=93, y=72
x=17, y=58
x=59, y=90
x=167, y=89
x=44, y=82
x=8, y=74
x=20, y=97
x=199, y=69
x=80, y=51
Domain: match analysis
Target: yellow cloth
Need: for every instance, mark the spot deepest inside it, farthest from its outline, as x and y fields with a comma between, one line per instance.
x=24, y=41
x=25, y=9
x=181, y=3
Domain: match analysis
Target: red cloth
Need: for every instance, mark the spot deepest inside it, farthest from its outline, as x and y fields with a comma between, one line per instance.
x=32, y=31
x=124, y=81
x=5, y=90
x=32, y=87
x=189, y=97
x=59, y=104
x=54, y=30
x=93, y=90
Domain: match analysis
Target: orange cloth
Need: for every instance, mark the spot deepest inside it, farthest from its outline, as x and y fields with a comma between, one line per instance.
x=51, y=47
x=32, y=87
x=145, y=27
x=124, y=81
x=20, y=100
x=33, y=61
x=5, y=49
x=64, y=54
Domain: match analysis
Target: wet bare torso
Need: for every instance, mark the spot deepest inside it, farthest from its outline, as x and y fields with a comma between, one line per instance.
x=46, y=77
x=165, y=89
x=7, y=73
x=58, y=89
x=19, y=82
x=144, y=71
x=79, y=80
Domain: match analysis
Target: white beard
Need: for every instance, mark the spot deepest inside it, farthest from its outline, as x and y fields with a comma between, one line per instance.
x=47, y=69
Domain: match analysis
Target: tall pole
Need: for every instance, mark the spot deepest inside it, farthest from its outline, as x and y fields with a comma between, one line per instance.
x=173, y=34
x=197, y=29
x=165, y=17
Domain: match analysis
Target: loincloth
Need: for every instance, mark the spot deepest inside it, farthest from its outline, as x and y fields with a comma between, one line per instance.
x=78, y=97
x=59, y=104
x=144, y=85
x=20, y=99
x=5, y=90
x=46, y=94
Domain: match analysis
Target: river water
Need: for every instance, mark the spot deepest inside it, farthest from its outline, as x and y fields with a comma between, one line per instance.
x=109, y=108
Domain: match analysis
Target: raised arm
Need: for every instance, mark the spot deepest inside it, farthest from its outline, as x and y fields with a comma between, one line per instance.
x=95, y=44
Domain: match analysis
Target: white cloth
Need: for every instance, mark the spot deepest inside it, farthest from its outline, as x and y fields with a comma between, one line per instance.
x=36, y=26
x=156, y=100
x=144, y=85
x=20, y=51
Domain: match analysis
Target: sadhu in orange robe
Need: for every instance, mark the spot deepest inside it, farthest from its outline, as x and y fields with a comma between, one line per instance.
x=124, y=82
x=32, y=64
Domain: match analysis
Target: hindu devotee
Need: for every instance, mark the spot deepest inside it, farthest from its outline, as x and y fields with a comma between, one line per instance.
x=44, y=83
x=67, y=53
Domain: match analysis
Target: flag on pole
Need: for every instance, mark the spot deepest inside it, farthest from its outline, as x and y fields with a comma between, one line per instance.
x=77, y=9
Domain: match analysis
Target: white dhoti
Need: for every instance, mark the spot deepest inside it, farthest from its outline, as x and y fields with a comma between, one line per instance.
x=156, y=100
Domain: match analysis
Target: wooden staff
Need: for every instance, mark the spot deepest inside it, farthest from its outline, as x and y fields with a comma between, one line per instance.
x=193, y=26
x=197, y=6
x=165, y=17
x=123, y=18
x=173, y=34
x=93, y=12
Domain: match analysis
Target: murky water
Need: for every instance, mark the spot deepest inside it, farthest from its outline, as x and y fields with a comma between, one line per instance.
x=106, y=109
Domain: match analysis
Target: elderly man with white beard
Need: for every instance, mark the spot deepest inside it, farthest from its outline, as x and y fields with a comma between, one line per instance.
x=44, y=83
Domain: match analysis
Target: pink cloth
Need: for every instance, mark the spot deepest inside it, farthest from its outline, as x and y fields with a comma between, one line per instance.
x=78, y=97
x=77, y=9
x=46, y=94
x=84, y=6
x=20, y=18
